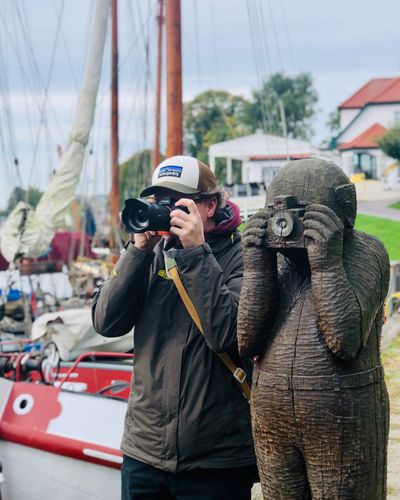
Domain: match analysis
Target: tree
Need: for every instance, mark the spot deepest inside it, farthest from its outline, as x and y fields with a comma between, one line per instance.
x=32, y=197
x=212, y=116
x=135, y=174
x=390, y=142
x=333, y=122
x=296, y=95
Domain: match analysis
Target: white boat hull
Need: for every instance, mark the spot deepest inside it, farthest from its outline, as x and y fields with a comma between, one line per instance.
x=33, y=474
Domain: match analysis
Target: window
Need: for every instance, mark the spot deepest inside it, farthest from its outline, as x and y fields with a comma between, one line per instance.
x=397, y=117
x=365, y=162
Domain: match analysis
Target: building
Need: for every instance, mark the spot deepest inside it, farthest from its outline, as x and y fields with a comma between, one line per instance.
x=261, y=155
x=364, y=117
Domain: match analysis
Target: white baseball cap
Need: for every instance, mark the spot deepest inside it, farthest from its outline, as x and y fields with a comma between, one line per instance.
x=182, y=174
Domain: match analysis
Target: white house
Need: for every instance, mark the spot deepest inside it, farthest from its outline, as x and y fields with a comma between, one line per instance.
x=261, y=155
x=364, y=117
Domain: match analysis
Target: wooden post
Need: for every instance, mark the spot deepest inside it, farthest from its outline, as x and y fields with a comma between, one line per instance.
x=156, y=150
x=114, y=195
x=174, y=78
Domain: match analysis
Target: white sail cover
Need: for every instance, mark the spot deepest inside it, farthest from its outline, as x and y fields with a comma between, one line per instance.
x=40, y=225
x=72, y=331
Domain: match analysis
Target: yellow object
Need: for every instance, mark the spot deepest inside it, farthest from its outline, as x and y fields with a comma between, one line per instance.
x=391, y=167
x=163, y=274
x=389, y=304
x=357, y=177
x=237, y=372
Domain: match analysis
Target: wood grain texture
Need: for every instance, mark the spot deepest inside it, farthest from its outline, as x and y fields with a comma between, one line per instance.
x=313, y=316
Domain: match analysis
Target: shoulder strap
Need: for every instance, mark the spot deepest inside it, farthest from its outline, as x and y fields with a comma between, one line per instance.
x=238, y=373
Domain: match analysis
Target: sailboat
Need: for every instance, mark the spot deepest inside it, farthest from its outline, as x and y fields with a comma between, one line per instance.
x=61, y=422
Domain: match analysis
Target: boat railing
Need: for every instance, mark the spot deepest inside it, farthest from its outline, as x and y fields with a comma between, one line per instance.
x=93, y=354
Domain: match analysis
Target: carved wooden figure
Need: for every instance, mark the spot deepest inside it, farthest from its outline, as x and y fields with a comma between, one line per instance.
x=311, y=310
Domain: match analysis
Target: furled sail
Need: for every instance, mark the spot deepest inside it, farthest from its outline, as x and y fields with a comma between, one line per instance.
x=28, y=232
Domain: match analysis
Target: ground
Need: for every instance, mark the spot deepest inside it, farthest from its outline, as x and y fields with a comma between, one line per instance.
x=391, y=361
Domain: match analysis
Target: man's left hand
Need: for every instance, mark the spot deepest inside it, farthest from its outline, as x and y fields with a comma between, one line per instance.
x=188, y=227
x=323, y=231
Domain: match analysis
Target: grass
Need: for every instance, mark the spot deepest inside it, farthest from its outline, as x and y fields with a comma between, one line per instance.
x=388, y=231
x=395, y=205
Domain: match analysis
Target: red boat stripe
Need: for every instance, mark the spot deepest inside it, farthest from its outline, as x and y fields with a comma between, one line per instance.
x=61, y=446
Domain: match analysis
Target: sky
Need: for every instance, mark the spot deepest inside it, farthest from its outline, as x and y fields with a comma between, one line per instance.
x=43, y=45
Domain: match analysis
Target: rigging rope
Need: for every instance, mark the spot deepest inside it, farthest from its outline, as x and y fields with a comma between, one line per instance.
x=287, y=33
x=9, y=125
x=38, y=83
x=278, y=48
x=259, y=77
x=67, y=52
x=197, y=44
x=47, y=85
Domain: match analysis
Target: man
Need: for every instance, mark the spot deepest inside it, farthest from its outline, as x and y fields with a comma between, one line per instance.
x=187, y=429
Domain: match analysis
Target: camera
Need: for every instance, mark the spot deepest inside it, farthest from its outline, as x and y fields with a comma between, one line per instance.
x=139, y=216
x=285, y=226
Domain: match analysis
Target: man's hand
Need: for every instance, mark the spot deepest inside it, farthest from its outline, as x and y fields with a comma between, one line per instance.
x=188, y=227
x=255, y=233
x=145, y=241
x=323, y=231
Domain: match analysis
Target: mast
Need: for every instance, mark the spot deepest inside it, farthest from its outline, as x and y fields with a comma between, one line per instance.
x=49, y=215
x=114, y=195
x=174, y=78
x=156, y=150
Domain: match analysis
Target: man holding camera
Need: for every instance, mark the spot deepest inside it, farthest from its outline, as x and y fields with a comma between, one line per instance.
x=187, y=429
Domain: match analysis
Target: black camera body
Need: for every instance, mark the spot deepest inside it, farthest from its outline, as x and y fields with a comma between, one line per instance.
x=285, y=225
x=139, y=216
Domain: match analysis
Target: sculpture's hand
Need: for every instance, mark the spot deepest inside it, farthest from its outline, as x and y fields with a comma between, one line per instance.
x=323, y=231
x=259, y=294
x=255, y=233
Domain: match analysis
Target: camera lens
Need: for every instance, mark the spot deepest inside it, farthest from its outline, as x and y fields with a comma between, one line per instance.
x=282, y=224
x=139, y=218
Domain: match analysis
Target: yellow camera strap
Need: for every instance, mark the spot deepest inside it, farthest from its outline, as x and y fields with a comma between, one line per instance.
x=238, y=373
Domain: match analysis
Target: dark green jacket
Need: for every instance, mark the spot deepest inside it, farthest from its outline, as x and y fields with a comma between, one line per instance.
x=185, y=410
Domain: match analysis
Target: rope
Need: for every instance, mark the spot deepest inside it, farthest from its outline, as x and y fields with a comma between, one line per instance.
x=47, y=85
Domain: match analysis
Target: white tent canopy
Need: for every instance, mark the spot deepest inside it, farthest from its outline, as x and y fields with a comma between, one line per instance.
x=258, y=146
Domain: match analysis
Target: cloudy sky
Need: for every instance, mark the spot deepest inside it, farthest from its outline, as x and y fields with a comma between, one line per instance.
x=43, y=45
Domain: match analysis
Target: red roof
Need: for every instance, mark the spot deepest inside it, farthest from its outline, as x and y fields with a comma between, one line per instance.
x=378, y=90
x=366, y=140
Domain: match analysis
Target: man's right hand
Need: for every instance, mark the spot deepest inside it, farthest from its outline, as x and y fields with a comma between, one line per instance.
x=145, y=241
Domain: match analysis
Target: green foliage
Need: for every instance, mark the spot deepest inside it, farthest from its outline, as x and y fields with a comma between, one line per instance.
x=333, y=122
x=390, y=142
x=135, y=174
x=298, y=98
x=216, y=115
x=388, y=231
x=212, y=116
x=395, y=205
x=32, y=197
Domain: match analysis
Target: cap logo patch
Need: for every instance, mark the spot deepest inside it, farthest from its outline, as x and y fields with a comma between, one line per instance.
x=170, y=171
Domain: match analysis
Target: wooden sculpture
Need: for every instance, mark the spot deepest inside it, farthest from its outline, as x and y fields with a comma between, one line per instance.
x=311, y=311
